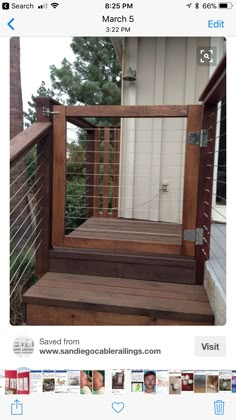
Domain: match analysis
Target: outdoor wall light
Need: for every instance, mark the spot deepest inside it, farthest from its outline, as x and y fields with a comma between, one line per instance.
x=129, y=75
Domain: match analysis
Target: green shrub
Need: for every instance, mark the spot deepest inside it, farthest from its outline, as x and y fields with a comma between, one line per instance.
x=75, y=212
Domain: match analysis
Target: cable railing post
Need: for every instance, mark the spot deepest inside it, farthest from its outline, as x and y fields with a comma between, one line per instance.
x=213, y=94
x=205, y=179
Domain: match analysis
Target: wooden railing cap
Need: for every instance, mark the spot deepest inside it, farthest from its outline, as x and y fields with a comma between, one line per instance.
x=27, y=138
x=215, y=89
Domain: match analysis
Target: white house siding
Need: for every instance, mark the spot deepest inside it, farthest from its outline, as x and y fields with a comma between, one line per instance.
x=152, y=150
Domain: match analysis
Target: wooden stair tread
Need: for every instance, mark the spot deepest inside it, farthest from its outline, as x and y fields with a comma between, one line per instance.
x=125, y=283
x=121, y=295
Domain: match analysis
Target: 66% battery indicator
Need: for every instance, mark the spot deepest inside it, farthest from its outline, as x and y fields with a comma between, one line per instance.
x=228, y=5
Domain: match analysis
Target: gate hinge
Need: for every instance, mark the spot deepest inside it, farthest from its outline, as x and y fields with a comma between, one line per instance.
x=200, y=138
x=47, y=112
x=194, y=235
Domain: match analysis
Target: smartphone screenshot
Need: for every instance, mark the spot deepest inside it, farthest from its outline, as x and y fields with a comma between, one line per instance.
x=117, y=169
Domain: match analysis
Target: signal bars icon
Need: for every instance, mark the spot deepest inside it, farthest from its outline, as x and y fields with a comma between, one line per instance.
x=44, y=6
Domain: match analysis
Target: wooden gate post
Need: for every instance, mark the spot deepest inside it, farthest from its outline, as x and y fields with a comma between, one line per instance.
x=191, y=178
x=59, y=175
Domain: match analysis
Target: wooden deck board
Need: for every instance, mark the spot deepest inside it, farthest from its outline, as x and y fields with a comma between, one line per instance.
x=127, y=283
x=131, y=226
x=127, y=234
x=124, y=235
x=131, y=297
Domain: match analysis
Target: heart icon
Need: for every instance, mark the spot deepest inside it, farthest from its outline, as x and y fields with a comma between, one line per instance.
x=118, y=406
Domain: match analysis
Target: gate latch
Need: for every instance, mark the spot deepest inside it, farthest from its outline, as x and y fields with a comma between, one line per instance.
x=47, y=112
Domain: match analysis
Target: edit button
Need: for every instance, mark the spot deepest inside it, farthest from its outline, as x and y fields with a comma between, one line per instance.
x=216, y=24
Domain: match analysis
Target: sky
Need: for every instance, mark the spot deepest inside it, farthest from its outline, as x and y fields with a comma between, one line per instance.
x=37, y=54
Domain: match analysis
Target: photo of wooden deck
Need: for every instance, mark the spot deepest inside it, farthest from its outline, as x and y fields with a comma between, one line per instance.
x=95, y=264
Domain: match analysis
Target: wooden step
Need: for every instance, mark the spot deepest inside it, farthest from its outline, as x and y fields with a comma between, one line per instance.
x=132, y=265
x=68, y=299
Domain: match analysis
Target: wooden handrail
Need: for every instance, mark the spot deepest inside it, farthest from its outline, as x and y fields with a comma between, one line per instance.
x=215, y=90
x=27, y=138
x=126, y=111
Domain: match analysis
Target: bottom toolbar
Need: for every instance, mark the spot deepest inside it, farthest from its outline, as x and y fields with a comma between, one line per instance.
x=126, y=407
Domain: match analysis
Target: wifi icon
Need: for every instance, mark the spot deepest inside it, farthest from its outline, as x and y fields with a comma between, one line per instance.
x=54, y=5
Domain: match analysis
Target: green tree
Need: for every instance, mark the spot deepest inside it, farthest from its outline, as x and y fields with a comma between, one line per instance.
x=94, y=78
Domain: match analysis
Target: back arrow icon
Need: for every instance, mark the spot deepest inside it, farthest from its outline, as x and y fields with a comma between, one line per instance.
x=9, y=24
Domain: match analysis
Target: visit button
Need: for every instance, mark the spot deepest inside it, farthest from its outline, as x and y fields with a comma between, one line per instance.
x=216, y=24
x=210, y=346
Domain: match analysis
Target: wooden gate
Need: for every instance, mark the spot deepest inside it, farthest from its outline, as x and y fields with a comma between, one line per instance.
x=191, y=175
